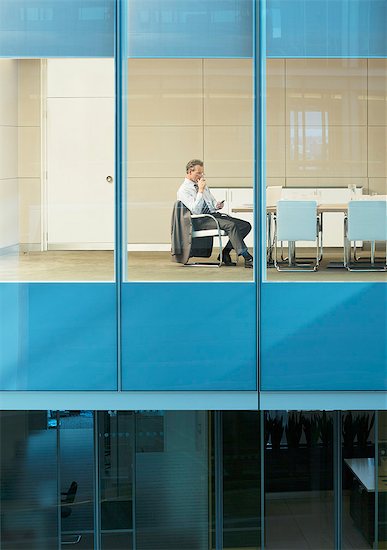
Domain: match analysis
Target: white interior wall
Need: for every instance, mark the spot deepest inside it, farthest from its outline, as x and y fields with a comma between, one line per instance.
x=9, y=230
x=29, y=152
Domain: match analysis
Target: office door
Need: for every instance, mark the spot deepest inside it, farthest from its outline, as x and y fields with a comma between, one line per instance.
x=80, y=153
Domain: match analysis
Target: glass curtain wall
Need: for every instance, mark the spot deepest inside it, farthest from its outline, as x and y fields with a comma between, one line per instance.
x=299, y=499
x=107, y=479
x=29, y=481
x=326, y=142
x=381, y=481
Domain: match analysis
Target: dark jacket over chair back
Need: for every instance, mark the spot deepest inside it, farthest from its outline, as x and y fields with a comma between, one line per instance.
x=183, y=246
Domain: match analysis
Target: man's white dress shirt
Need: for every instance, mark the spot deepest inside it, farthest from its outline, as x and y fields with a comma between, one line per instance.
x=193, y=199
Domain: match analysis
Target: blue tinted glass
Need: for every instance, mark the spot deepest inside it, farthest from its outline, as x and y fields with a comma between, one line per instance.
x=56, y=28
x=57, y=337
x=176, y=28
x=332, y=28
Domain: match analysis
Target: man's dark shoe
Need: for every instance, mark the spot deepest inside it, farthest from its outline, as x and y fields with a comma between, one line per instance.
x=249, y=262
x=226, y=259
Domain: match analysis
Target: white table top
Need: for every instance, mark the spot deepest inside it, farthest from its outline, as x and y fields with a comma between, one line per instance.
x=364, y=470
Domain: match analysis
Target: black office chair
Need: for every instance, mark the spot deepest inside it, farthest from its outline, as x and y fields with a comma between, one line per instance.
x=67, y=500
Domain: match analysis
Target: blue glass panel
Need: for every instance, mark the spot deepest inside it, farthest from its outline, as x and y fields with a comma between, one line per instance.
x=324, y=336
x=56, y=28
x=188, y=336
x=190, y=28
x=326, y=28
x=58, y=336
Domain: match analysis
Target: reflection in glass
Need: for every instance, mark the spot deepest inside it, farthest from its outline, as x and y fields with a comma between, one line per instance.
x=299, y=480
x=324, y=132
x=116, y=446
x=56, y=203
x=77, y=478
x=28, y=473
x=241, y=480
x=358, y=479
x=172, y=481
x=382, y=479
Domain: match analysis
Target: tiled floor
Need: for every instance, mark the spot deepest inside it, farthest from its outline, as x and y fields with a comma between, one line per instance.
x=306, y=522
x=153, y=266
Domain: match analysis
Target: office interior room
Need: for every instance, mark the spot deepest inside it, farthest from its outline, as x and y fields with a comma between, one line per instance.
x=326, y=131
x=58, y=210
x=326, y=142
x=169, y=480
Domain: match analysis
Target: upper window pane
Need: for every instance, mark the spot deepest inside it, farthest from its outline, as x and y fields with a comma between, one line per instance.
x=56, y=28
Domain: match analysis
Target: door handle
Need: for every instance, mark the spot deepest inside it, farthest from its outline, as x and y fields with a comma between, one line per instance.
x=109, y=179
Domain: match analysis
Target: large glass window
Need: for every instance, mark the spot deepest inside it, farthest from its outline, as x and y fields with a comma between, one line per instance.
x=241, y=480
x=176, y=479
x=57, y=169
x=325, y=151
x=299, y=480
x=180, y=110
x=381, y=480
x=28, y=480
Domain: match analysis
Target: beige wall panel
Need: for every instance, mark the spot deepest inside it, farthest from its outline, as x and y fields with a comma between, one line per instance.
x=29, y=94
x=166, y=92
x=377, y=92
x=29, y=210
x=29, y=152
x=275, y=88
x=377, y=151
x=378, y=185
x=9, y=231
x=326, y=91
x=150, y=203
x=340, y=152
x=327, y=182
x=228, y=151
x=228, y=92
x=275, y=151
x=228, y=182
x=8, y=152
x=8, y=92
x=80, y=78
x=155, y=151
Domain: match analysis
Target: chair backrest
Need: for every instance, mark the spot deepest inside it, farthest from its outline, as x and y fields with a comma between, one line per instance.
x=70, y=497
x=367, y=220
x=273, y=194
x=296, y=220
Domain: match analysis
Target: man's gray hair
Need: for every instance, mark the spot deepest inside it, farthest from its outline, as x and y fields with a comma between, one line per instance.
x=192, y=163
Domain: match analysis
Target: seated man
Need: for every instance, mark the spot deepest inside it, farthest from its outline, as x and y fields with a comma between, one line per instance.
x=196, y=196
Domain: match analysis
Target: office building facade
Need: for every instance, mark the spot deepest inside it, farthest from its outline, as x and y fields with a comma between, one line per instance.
x=147, y=404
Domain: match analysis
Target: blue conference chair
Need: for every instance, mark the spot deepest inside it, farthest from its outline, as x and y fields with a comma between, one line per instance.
x=366, y=221
x=297, y=221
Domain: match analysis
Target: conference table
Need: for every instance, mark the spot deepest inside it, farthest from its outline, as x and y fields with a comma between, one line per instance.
x=321, y=210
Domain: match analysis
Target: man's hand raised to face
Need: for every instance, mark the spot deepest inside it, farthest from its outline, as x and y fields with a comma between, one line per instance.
x=201, y=184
